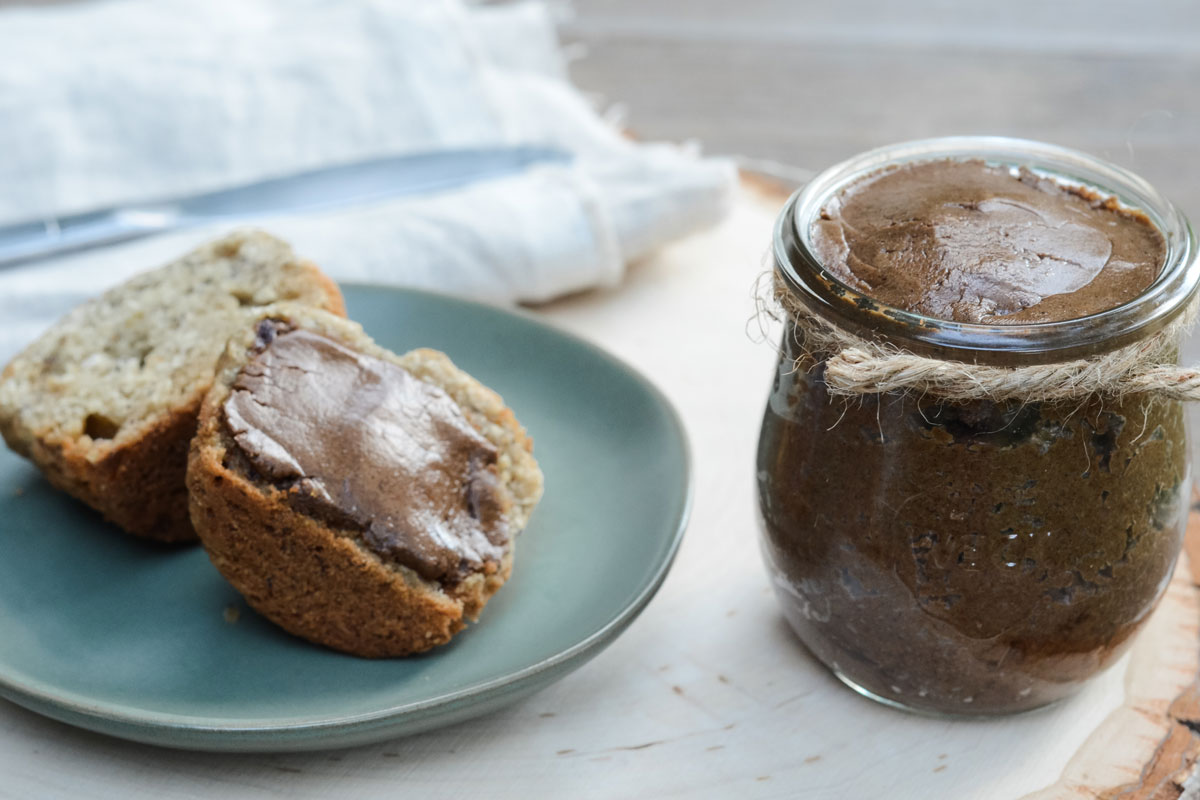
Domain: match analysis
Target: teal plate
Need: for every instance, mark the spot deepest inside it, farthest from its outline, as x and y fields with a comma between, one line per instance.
x=138, y=641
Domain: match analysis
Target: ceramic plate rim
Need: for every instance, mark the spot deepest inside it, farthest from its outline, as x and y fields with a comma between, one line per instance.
x=72, y=702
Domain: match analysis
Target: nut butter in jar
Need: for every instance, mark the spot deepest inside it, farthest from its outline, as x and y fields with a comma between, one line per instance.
x=972, y=469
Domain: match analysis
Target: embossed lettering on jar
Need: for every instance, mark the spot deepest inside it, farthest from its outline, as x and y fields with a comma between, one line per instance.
x=974, y=554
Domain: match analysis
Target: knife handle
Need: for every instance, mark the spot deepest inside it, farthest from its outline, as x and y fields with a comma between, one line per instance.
x=31, y=240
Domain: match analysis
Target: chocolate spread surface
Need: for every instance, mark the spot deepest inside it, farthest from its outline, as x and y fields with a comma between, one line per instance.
x=971, y=557
x=965, y=241
x=362, y=444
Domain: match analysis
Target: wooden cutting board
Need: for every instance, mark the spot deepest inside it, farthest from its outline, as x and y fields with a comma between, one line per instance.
x=1147, y=749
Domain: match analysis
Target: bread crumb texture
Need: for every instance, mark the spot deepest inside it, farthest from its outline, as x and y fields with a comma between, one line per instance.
x=105, y=401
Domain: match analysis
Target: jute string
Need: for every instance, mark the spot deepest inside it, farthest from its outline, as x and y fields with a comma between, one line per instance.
x=856, y=366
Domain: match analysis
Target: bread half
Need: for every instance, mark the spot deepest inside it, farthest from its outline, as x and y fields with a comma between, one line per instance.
x=105, y=401
x=298, y=539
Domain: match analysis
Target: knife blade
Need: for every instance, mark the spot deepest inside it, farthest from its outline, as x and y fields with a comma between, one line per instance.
x=315, y=190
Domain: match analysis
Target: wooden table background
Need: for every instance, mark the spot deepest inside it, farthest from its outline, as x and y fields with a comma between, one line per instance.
x=676, y=708
x=810, y=83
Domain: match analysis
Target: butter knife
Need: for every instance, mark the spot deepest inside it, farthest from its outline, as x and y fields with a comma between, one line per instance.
x=317, y=190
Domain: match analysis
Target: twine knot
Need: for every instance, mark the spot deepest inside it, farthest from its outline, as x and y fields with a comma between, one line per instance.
x=855, y=365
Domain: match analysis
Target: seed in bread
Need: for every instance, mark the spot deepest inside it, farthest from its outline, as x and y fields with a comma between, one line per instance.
x=105, y=401
x=359, y=499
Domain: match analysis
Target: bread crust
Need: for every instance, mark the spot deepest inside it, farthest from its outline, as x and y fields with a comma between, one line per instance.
x=321, y=583
x=137, y=480
x=139, y=485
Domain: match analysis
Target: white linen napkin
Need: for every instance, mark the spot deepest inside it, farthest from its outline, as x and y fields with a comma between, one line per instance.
x=115, y=101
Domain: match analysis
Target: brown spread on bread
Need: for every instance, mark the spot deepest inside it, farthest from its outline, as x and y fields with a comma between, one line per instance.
x=363, y=445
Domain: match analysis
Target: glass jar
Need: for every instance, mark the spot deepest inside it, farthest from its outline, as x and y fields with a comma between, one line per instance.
x=971, y=557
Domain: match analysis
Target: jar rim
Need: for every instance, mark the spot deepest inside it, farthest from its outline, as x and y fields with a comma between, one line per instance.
x=825, y=295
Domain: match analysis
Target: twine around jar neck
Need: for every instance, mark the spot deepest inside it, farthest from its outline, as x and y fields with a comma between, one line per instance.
x=856, y=366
